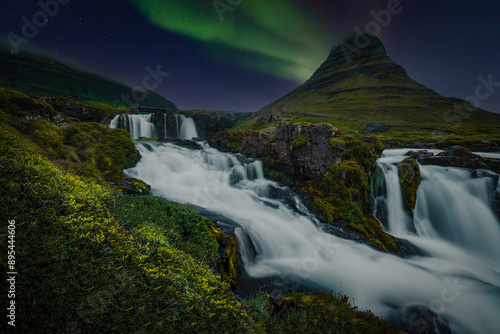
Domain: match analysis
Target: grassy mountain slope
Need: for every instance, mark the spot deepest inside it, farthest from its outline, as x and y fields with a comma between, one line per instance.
x=364, y=84
x=35, y=75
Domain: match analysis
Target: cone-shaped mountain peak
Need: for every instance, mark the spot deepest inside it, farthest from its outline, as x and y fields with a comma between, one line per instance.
x=358, y=80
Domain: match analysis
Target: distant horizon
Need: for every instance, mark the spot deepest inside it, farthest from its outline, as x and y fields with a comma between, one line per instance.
x=40, y=51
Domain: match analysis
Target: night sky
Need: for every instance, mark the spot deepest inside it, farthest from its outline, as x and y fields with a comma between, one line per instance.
x=249, y=53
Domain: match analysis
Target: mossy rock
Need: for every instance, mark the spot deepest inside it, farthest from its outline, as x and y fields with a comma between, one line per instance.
x=299, y=141
x=363, y=153
x=409, y=179
x=126, y=185
x=337, y=143
x=235, y=146
x=116, y=152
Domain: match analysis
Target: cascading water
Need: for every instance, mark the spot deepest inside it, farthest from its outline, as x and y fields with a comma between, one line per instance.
x=460, y=287
x=186, y=128
x=137, y=125
x=142, y=126
x=453, y=205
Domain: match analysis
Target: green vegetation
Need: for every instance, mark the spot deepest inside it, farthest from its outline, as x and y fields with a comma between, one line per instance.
x=439, y=134
x=317, y=313
x=300, y=141
x=92, y=260
x=409, y=178
x=182, y=227
x=342, y=194
x=81, y=267
x=36, y=76
x=235, y=146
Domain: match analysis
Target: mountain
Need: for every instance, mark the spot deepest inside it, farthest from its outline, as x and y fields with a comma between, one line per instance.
x=360, y=81
x=36, y=75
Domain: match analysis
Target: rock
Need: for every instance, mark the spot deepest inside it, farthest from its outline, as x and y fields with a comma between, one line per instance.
x=72, y=109
x=299, y=151
x=268, y=118
x=409, y=178
x=391, y=144
x=419, y=154
x=455, y=151
x=181, y=142
x=279, y=305
x=458, y=156
x=254, y=144
x=484, y=146
x=303, y=151
x=126, y=185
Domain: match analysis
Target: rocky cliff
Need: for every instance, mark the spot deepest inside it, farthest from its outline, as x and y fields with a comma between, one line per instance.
x=297, y=151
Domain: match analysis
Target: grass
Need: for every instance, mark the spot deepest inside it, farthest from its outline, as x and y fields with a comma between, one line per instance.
x=183, y=227
x=317, y=313
x=92, y=260
x=80, y=267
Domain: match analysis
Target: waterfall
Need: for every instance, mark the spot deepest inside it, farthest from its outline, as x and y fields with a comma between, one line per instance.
x=458, y=289
x=186, y=128
x=453, y=204
x=142, y=125
x=137, y=125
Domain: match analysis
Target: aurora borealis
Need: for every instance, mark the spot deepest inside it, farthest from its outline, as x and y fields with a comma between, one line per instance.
x=282, y=38
x=244, y=54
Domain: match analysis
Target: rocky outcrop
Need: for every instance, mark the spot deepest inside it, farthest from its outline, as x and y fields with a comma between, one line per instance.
x=181, y=142
x=456, y=156
x=304, y=150
x=409, y=179
x=74, y=110
x=296, y=150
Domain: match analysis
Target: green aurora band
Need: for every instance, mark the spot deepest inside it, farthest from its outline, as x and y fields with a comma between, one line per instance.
x=277, y=37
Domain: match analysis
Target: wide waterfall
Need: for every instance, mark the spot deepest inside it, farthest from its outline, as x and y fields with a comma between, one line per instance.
x=454, y=282
x=142, y=126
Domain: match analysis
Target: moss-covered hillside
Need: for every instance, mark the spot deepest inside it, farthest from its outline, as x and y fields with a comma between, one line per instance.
x=36, y=75
x=89, y=259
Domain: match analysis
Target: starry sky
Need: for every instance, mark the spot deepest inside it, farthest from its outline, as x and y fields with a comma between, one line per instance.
x=243, y=54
